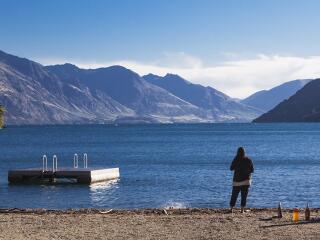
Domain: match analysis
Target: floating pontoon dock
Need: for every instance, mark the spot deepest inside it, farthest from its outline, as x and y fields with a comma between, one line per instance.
x=51, y=175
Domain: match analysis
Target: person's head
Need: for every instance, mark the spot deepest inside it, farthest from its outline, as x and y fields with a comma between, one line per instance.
x=241, y=153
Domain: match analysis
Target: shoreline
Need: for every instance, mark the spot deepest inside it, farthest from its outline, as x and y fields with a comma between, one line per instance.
x=189, y=223
x=170, y=210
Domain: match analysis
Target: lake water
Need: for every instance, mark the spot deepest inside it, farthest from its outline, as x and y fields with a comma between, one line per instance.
x=166, y=165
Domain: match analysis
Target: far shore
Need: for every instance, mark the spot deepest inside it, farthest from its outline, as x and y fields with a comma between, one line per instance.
x=189, y=223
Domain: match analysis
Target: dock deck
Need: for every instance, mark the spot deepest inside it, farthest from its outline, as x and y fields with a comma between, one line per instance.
x=79, y=175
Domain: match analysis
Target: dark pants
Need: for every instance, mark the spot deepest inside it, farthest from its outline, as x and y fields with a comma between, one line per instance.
x=235, y=192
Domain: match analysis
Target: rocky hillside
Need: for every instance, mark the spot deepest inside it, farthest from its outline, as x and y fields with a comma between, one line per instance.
x=129, y=89
x=66, y=94
x=217, y=104
x=34, y=95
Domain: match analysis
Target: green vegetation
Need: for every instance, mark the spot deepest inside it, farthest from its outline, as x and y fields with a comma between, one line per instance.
x=2, y=110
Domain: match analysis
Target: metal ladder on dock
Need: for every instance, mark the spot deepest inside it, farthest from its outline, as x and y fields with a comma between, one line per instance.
x=55, y=162
x=76, y=160
x=46, y=173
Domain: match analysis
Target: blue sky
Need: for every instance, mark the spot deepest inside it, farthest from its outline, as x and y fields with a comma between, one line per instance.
x=178, y=35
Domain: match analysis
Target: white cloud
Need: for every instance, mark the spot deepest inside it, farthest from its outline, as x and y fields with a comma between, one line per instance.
x=178, y=60
x=237, y=78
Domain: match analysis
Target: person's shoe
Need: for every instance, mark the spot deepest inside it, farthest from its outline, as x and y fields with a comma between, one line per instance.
x=242, y=210
x=231, y=210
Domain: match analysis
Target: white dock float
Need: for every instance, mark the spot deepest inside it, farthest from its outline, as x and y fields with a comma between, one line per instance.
x=52, y=175
x=79, y=175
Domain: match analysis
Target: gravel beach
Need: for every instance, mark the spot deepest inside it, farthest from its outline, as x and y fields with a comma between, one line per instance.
x=155, y=224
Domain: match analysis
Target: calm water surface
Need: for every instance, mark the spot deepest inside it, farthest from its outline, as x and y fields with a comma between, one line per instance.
x=166, y=165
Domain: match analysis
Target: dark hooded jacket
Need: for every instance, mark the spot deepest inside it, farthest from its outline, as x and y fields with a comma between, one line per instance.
x=242, y=169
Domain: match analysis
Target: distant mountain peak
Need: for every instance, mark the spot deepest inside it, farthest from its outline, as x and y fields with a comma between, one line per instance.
x=118, y=68
x=67, y=66
x=70, y=65
x=151, y=75
x=172, y=75
x=303, y=106
x=216, y=103
x=268, y=99
x=166, y=77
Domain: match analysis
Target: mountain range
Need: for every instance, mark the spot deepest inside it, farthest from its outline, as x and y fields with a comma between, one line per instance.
x=65, y=94
x=303, y=106
x=266, y=100
x=217, y=104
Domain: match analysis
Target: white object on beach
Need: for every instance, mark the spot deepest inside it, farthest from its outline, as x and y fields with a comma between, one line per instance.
x=105, y=212
x=165, y=212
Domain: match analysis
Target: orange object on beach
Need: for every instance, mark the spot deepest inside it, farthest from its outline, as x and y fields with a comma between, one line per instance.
x=295, y=215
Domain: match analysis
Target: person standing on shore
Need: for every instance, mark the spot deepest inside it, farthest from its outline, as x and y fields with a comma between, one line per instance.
x=243, y=169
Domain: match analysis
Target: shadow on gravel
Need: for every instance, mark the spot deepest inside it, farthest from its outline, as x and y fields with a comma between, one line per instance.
x=289, y=224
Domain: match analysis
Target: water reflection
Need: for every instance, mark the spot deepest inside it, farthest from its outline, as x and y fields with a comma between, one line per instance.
x=102, y=194
x=101, y=186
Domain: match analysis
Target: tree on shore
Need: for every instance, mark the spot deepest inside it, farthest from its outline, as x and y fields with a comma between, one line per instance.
x=2, y=110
